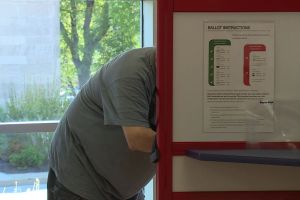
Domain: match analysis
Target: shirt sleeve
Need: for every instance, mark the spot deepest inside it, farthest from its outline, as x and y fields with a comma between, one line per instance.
x=126, y=103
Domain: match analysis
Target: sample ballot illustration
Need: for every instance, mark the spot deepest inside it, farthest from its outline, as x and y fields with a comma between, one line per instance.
x=255, y=62
x=219, y=62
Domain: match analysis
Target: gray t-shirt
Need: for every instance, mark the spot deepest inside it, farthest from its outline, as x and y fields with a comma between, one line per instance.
x=89, y=153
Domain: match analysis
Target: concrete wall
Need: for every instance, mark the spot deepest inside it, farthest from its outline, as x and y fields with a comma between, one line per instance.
x=29, y=44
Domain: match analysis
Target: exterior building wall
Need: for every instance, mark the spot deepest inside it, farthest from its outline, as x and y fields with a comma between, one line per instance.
x=29, y=45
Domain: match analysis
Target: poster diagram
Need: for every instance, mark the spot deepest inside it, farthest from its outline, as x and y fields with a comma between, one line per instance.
x=238, y=77
x=254, y=63
x=219, y=62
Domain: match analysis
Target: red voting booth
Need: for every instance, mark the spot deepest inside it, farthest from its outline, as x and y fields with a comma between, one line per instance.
x=200, y=57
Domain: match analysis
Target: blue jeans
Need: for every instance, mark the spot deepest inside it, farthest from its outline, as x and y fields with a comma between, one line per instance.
x=56, y=191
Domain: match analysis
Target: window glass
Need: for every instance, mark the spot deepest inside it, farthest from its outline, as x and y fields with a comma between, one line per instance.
x=48, y=50
x=23, y=165
x=29, y=59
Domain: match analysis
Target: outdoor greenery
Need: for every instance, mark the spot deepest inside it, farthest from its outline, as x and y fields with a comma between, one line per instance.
x=36, y=103
x=27, y=157
x=26, y=149
x=92, y=32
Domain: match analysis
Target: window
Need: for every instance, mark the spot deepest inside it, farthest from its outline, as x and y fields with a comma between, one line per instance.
x=48, y=49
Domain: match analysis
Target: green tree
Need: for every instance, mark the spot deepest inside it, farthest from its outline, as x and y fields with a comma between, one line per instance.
x=92, y=32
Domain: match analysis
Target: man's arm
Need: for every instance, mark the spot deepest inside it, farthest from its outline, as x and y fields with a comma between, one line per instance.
x=139, y=138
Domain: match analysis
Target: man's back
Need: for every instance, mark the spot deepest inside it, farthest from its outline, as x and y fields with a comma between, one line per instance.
x=89, y=152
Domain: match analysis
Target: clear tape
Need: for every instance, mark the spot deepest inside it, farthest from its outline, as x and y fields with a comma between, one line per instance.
x=281, y=118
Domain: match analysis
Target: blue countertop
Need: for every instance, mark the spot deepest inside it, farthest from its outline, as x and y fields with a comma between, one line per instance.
x=256, y=156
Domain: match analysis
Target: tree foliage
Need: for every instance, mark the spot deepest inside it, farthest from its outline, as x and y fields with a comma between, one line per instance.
x=93, y=31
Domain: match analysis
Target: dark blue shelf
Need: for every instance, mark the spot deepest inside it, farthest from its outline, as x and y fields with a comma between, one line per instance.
x=255, y=156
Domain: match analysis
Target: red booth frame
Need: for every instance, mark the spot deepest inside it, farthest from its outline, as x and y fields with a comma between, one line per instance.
x=168, y=148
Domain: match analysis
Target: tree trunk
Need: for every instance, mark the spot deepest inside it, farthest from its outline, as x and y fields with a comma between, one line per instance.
x=83, y=74
x=90, y=37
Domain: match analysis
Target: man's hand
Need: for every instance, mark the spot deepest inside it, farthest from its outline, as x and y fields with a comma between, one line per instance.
x=139, y=138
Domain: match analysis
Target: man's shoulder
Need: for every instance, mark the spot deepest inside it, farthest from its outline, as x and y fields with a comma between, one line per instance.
x=146, y=51
x=133, y=59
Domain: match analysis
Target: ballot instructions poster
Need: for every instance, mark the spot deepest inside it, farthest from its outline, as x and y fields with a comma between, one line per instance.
x=238, y=77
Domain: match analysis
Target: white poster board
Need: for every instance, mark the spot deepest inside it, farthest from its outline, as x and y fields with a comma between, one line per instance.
x=190, y=65
x=191, y=85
